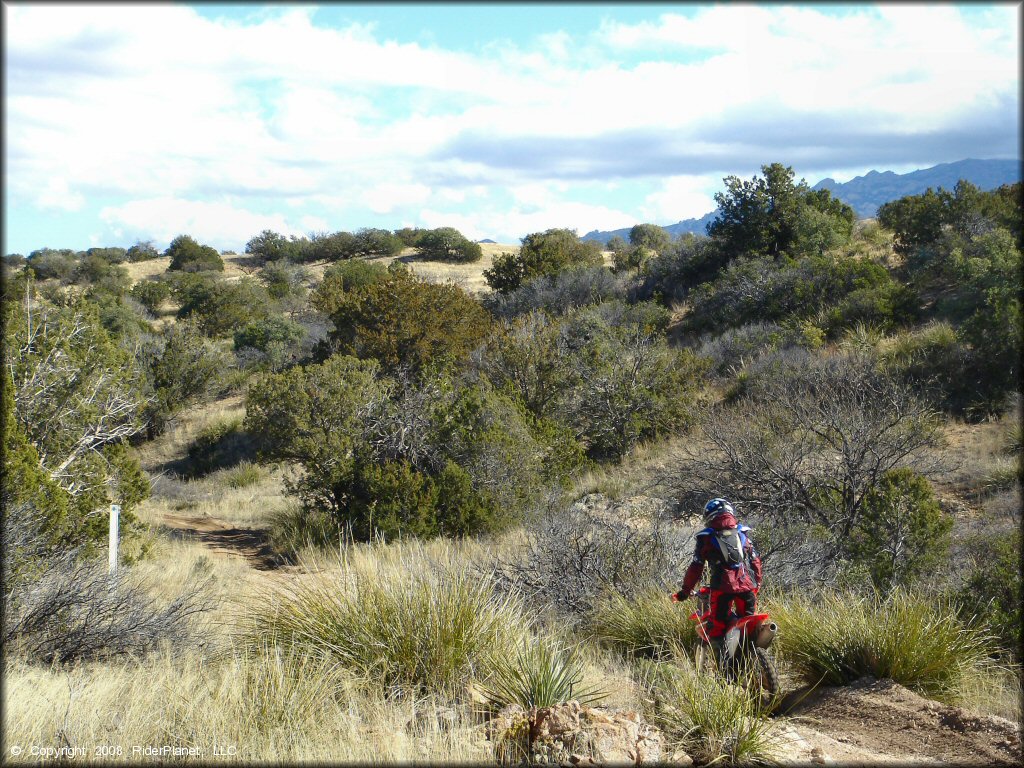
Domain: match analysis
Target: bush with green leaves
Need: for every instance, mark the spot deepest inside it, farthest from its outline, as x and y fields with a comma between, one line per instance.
x=187, y=255
x=376, y=242
x=143, y=250
x=836, y=638
x=558, y=293
x=273, y=246
x=771, y=216
x=332, y=247
x=993, y=587
x=220, y=308
x=181, y=367
x=151, y=294
x=343, y=277
x=542, y=253
x=447, y=244
x=50, y=263
x=284, y=280
x=690, y=261
x=272, y=330
x=737, y=348
x=843, y=291
x=626, y=383
x=405, y=322
x=101, y=275
x=386, y=457
x=77, y=397
x=902, y=534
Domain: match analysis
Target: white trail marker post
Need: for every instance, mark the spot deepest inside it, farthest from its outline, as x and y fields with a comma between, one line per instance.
x=115, y=514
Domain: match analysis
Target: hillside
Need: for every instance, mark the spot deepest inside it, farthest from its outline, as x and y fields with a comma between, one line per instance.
x=389, y=515
x=866, y=193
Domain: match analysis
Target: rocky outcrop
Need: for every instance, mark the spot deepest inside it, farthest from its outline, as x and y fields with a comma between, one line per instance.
x=571, y=734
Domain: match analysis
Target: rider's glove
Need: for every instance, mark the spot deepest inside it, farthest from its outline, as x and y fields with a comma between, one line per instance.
x=679, y=596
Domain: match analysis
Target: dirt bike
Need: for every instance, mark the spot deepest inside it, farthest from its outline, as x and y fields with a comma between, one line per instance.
x=745, y=655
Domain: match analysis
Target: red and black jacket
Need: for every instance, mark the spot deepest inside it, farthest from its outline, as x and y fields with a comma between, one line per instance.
x=723, y=578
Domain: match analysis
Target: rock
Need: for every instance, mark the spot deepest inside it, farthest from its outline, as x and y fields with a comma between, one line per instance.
x=572, y=734
x=680, y=758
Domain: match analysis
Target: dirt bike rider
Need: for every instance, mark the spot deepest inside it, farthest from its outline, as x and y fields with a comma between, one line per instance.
x=726, y=546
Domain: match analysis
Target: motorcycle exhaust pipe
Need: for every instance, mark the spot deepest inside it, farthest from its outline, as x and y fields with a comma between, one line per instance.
x=766, y=634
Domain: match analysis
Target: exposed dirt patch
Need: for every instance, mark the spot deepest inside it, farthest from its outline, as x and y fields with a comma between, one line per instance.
x=252, y=544
x=881, y=722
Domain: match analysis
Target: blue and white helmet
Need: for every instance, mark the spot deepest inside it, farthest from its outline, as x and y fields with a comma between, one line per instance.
x=716, y=508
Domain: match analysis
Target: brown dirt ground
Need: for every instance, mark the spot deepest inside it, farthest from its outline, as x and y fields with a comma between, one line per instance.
x=879, y=722
x=252, y=544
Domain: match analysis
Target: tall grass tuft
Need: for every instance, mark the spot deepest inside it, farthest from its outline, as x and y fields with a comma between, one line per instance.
x=426, y=631
x=906, y=637
x=715, y=722
x=539, y=674
x=648, y=624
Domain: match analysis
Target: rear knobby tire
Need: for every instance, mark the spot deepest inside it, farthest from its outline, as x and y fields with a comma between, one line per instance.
x=766, y=676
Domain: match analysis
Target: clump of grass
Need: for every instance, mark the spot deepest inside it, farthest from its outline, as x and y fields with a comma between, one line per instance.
x=294, y=529
x=647, y=624
x=1004, y=474
x=839, y=638
x=429, y=632
x=244, y=475
x=711, y=719
x=285, y=687
x=539, y=674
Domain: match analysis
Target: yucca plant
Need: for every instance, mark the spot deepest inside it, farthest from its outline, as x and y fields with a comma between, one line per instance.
x=838, y=638
x=711, y=719
x=538, y=674
x=648, y=624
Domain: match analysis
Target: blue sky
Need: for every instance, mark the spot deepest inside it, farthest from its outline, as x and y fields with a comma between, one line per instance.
x=129, y=122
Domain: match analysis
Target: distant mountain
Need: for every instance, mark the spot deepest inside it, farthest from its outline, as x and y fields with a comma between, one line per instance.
x=866, y=193
x=697, y=226
x=486, y=240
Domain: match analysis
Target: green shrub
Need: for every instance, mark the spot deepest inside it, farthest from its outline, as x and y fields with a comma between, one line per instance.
x=542, y=253
x=447, y=244
x=189, y=256
x=910, y=638
x=395, y=629
x=645, y=624
x=714, y=721
x=260, y=334
x=151, y=294
x=993, y=588
x=221, y=308
x=539, y=674
x=902, y=532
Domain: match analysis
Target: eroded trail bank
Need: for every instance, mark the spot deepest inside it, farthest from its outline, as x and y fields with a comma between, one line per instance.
x=881, y=722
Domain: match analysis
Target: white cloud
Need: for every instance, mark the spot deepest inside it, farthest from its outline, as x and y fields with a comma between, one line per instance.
x=219, y=224
x=680, y=197
x=152, y=103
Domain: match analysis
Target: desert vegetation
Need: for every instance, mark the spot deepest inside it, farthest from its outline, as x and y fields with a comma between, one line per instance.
x=379, y=487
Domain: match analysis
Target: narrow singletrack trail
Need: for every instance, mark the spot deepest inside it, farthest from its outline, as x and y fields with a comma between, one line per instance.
x=250, y=544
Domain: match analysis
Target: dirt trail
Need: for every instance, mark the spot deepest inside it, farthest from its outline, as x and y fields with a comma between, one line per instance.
x=252, y=544
x=877, y=722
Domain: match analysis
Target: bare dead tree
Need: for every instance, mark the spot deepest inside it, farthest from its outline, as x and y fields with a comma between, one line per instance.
x=59, y=605
x=801, y=449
